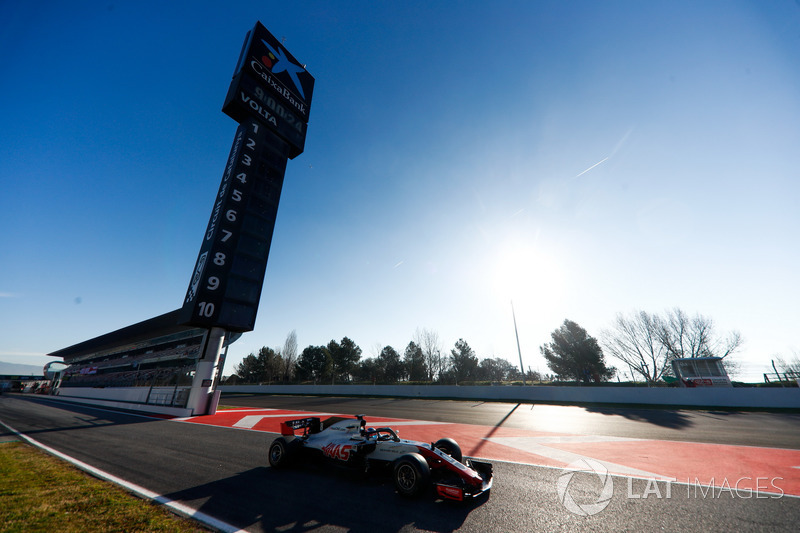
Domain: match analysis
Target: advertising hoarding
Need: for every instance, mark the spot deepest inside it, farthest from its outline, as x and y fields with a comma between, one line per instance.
x=270, y=82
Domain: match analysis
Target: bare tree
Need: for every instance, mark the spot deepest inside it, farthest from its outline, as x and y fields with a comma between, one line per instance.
x=789, y=366
x=690, y=337
x=636, y=341
x=648, y=343
x=289, y=355
x=428, y=341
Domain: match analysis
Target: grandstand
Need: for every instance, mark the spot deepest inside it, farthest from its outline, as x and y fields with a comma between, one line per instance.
x=157, y=362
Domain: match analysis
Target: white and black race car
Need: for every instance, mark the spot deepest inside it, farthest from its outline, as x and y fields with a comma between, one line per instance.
x=414, y=466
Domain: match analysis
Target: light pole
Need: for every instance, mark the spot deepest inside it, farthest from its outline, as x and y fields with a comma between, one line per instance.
x=519, y=351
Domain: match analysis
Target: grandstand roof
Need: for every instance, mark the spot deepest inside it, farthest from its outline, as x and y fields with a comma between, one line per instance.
x=151, y=329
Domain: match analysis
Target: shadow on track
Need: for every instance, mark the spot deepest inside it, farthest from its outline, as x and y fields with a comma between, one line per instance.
x=315, y=497
x=82, y=416
x=672, y=419
x=485, y=438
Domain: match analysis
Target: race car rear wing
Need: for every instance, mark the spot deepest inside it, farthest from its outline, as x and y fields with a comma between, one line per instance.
x=311, y=425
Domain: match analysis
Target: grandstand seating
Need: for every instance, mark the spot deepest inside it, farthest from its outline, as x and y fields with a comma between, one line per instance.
x=152, y=367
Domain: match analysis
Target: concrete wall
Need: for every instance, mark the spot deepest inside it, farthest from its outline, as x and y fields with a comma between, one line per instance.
x=133, y=398
x=727, y=397
x=122, y=394
x=130, y=398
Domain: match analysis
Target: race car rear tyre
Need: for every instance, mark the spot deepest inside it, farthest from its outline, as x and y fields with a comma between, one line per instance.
x=281, y=453
x=412, y=475
x=450, y=447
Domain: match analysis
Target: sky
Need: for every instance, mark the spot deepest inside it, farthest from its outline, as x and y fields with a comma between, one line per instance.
x=581, y=159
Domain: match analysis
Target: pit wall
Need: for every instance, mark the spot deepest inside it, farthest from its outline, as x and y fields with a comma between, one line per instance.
x=129, y=398
x=722, y=397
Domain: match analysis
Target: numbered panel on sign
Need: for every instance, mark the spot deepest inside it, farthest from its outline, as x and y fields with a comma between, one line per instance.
x=229, y=273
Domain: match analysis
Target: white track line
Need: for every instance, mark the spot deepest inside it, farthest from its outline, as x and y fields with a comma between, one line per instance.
x=179, y=508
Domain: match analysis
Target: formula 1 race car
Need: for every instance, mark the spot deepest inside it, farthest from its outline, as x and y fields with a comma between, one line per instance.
x=414, y=466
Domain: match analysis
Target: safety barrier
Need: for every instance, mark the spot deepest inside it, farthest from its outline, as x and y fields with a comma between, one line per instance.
x=159, y=400
x=711, y=397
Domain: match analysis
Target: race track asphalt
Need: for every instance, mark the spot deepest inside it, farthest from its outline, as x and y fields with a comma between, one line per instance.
x=741, y=428
x=222, y=472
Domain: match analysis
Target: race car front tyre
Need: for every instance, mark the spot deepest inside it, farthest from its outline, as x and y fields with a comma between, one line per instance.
x=450, y=447
x=412, y=475
x=281, y=453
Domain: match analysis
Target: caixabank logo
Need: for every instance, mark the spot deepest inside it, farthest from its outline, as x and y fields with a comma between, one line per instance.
x=280, y=73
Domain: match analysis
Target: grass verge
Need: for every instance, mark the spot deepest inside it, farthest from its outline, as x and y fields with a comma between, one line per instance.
x=39, y=492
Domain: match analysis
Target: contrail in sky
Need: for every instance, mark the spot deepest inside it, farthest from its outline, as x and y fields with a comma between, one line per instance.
x=591, y=167
x=619, y=145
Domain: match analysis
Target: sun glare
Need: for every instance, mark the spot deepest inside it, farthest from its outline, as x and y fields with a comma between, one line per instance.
x=527, y=274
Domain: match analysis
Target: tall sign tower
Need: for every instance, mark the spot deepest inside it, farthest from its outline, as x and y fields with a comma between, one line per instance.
x=270, y=98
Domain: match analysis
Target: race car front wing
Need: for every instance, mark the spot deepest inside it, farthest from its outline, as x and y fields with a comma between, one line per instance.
x=461, y=491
